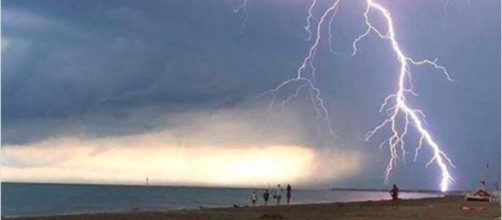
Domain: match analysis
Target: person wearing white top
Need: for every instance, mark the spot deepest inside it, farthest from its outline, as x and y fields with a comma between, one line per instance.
x=278, y=194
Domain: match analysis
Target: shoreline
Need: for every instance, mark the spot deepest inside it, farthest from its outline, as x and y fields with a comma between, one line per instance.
x=106, y=199
x=210, y=207
x=450, y=192
x=449, y=207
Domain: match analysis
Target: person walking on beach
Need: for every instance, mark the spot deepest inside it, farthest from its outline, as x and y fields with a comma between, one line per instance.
x=278, y=194
x=266, y=195
x=254, y=198
x=288, y=193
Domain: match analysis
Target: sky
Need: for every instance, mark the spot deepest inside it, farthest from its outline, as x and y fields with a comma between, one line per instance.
x=118, y=91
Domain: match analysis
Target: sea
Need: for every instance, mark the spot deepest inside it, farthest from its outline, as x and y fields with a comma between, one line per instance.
x=36, y=199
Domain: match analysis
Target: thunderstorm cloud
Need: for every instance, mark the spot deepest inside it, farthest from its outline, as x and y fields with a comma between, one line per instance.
x=167, y=82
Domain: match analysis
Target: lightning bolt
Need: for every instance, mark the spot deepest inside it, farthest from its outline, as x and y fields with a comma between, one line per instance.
x=306, y=72
x=394, y=105
x=310, y=16
x=243, y=8
x=399, y=106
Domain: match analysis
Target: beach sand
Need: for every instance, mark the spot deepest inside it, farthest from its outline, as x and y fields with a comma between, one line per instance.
x=433, y=208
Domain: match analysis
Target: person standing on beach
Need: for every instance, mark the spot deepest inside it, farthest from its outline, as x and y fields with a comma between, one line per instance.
x=288, y=193
x=394, y=192
x=278, y=194
x=254, y=198
x=266, y=195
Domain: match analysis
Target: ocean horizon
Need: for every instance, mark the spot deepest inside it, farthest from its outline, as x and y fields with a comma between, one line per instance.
x=40, y=199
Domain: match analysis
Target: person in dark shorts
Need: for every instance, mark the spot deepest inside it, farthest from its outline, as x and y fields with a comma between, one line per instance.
x=254, y=198
x=288, y=193
x=266, y=195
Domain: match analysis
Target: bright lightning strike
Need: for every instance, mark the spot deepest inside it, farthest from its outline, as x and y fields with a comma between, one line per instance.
x=398, y=104
x=306, y=73
x=311, y=17
x=395, y=105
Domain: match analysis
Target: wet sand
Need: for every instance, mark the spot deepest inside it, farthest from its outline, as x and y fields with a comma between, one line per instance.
x=433, y=208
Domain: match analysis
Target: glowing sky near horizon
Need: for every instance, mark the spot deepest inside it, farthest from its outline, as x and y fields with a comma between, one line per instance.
x=130, y=160
x=222, y=148
x=171, y=90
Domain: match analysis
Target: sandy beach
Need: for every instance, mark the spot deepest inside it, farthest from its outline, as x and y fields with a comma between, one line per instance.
x=450, y=207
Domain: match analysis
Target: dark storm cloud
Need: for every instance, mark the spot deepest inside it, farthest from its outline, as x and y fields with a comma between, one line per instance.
x=77, y=59
x=108, y=68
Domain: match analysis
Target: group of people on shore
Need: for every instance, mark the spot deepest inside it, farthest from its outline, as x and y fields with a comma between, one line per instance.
x=277, y=195
x=394, y=193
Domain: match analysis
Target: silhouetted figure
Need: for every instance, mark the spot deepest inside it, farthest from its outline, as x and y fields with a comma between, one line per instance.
x=288, y=193
x=278, y=194
x=394, y=193
x=254, y=198
x=266, y=195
